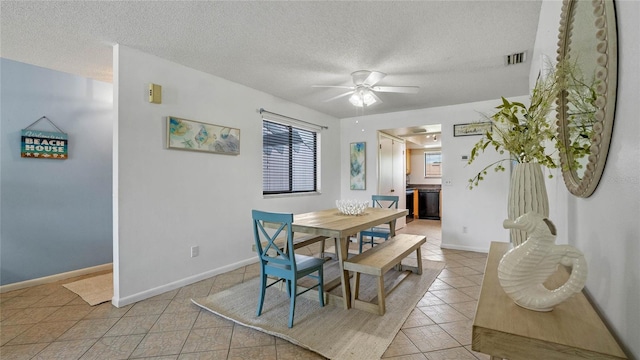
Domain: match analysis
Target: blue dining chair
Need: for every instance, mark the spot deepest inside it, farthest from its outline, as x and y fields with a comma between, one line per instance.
x=283, y=264
x=381, y=201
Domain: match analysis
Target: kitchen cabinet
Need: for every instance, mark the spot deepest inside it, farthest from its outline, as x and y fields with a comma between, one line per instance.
x=429, y=204
x=408, y=161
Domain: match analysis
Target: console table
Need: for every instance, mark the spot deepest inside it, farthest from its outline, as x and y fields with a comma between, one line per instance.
x=572, y=330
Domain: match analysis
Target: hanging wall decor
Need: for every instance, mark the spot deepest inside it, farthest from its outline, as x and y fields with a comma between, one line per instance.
x=183, y=134
x=357, y=166
x=477, y=128
x=44, y=144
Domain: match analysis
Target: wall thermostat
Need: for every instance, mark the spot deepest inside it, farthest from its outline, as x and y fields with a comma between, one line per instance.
x=155, y=94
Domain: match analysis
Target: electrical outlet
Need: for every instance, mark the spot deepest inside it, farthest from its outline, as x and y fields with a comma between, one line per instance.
x=195, y=251
x=448, y=183
x=464, y=229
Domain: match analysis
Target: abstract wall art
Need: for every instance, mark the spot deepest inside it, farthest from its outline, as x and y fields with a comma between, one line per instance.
x=357, y=166
x=183, y=134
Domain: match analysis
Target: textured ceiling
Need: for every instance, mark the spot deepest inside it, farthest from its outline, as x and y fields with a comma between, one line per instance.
x=452, y=50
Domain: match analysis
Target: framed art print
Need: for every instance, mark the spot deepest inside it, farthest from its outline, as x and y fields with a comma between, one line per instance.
x=477, y=128
x=183, y=134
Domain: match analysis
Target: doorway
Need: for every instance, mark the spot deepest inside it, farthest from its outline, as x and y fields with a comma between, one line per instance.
x=422, y=169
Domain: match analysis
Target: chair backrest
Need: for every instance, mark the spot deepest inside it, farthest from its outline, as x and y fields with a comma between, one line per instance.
x=388, y=201
x=270, y=252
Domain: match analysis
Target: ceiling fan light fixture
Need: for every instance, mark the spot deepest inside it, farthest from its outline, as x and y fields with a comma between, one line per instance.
x=367, y=98
x=362, y=97
x=356, y=100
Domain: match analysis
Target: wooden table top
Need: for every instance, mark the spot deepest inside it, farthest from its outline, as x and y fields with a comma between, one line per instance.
x=571, y=330
x=332, y=223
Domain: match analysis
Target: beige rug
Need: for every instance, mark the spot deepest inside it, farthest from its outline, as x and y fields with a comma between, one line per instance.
x=94, y=290
x=330, y=331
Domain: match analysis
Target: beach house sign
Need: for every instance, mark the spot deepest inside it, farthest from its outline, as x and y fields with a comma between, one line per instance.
x=44, y=144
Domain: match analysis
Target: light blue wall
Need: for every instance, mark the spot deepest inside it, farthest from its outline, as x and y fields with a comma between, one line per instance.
x=55, y=215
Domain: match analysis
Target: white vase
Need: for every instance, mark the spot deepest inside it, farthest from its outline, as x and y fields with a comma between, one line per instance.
x=527, y=192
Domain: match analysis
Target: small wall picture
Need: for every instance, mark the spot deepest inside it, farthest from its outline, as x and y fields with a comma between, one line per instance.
x=357, y=166
x=44, y=145
x=477, y=128
x=183, y=134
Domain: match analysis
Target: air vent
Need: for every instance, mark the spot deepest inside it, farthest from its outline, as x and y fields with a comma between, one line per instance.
x=418, y=131
x=517, y=58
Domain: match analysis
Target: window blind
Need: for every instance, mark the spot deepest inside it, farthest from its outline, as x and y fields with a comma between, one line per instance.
x=289, y=159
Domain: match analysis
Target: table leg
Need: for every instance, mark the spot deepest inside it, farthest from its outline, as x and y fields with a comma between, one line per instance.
x=343, y=253
x=392, y=228
x=392, y=233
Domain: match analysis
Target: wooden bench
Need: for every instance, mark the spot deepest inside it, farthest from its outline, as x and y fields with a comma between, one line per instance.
x=380, y=259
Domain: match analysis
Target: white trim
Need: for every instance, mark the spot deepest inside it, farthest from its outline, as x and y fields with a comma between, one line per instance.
x=287, y=120
x=465, y=248
x=54, y=278
x=119, y=302
x=310, y=193
x=392, y=137
x=115, y=172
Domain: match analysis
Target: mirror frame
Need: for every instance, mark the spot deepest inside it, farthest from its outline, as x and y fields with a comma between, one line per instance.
x=605, y=35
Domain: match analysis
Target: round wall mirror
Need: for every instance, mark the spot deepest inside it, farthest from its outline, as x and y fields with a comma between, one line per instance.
x=588, y=47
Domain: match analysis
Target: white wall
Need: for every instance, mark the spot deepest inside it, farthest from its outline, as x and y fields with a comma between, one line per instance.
x=481, y=210
x=56, y=214
x=166, y=201
x=545, y=49
x=605, y=226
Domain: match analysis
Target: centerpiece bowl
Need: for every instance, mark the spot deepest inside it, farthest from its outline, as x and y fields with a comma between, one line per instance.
x=352, y=207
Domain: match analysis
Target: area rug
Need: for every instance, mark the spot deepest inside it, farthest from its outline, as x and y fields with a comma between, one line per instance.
x=94, y=290
x=330, y=331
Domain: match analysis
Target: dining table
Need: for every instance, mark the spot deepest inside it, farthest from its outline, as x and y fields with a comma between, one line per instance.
x=334, y=224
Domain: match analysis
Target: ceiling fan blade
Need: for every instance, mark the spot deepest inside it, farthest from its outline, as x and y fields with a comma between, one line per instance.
x=339, y=96
x=397, y=89
x=375, y=97
x=373, y=78
x=334, y=86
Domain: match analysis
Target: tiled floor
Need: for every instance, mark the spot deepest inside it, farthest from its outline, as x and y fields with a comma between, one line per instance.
x=51, y=322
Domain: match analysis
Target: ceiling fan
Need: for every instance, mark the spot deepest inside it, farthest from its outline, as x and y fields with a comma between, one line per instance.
x=363, y=93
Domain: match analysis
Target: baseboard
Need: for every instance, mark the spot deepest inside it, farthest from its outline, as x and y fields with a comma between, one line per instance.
x=53, y=278
x=123, y=301
x=465, y=248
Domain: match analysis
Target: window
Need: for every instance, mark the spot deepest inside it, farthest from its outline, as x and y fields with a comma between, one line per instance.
x=289, y=159
x=432, y=164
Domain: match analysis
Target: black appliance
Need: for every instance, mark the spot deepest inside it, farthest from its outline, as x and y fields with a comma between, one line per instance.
x=410, y=203
x=429, y=204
